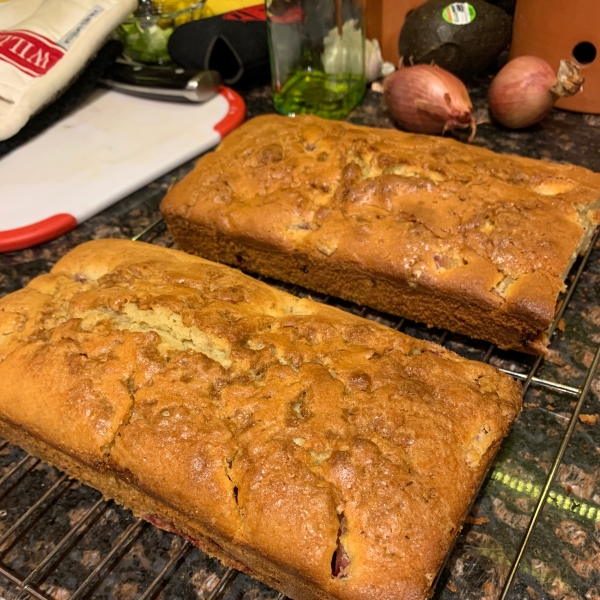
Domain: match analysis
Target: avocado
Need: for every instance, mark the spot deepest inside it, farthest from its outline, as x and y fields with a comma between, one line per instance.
x=462, y=37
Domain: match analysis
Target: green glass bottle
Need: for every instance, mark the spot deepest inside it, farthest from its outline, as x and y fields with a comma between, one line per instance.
x=317, y=56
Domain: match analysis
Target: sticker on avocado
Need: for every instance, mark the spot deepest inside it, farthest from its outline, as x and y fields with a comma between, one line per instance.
x=459, y=13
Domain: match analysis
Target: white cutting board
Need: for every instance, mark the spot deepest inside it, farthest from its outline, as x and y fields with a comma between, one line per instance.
x=110, y=147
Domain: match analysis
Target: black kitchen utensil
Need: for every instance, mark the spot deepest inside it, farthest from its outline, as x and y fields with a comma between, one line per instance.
x=234, y=44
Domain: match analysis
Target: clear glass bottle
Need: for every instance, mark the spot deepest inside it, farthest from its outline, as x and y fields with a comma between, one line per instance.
x=317, y=56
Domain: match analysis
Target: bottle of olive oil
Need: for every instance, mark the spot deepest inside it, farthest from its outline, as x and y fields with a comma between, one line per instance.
x=317, y=56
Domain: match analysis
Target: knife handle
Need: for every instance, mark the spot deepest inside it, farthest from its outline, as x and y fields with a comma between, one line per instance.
x=164, y=83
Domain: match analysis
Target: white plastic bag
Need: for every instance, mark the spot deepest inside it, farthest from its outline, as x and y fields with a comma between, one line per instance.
x=44, y=44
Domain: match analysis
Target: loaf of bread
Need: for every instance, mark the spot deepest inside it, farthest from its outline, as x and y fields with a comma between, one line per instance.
x=327, y=455
x=427, y=228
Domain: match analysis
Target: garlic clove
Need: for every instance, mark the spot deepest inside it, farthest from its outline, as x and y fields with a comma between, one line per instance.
x=387, y=68
x=344, y=53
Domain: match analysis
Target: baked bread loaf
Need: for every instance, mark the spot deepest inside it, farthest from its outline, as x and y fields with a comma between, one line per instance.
x=327, y=455
x=427, y=228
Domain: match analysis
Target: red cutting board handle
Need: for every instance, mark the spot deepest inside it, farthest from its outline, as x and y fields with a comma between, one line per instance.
x=58, y=224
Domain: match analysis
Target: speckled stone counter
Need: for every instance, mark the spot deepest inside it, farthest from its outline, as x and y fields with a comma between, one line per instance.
x=563, y=557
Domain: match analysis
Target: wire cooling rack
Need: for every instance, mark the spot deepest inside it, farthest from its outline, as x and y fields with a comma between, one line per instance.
x=70, y=544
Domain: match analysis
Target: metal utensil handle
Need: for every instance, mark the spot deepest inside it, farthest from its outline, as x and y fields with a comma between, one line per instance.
x=163, y=83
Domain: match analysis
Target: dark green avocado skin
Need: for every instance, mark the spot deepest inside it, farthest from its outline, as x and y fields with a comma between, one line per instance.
x=465, y=50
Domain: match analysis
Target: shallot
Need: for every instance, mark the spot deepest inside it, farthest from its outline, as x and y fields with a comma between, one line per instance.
x=428, y=99
x=525, y=90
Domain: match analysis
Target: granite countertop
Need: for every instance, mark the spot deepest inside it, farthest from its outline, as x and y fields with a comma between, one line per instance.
x=563, y=558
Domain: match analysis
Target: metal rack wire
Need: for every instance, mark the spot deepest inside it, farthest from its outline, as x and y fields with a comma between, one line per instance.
x=32, y=584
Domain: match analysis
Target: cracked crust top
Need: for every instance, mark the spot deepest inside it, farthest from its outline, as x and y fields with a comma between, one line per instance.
x=301, y=434
x=461, y=221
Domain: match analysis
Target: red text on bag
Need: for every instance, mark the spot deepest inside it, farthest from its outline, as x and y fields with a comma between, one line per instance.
x=29, y=52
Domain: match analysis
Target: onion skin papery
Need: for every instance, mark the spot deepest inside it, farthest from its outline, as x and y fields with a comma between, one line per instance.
x=428, y=99
x=526, y=88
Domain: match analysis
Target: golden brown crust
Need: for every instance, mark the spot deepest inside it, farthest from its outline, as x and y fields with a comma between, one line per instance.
x=262, y=425
x=427, y=228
